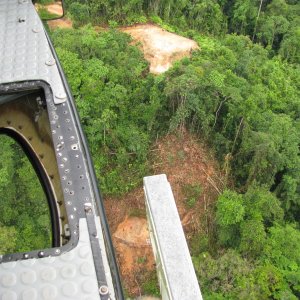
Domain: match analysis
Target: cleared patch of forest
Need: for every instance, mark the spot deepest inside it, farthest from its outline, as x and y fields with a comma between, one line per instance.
x=196, y=181
x=160, y=47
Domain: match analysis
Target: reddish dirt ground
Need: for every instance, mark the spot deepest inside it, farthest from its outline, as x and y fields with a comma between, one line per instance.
x=185, y=161
x=60, y=23
x=55, y=8
x=134, y=250
x=160, y=47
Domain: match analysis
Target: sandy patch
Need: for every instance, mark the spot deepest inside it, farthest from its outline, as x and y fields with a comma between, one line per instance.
x=55, y=8
x=160, y=47
x=133, y=232
x=134, y=252
x=60, y=23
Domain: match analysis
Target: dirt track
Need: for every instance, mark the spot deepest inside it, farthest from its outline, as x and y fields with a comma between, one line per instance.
x=160, y=47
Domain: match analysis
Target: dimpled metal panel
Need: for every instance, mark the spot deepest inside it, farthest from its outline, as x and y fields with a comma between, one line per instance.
x=24, y=50
x=69, y=276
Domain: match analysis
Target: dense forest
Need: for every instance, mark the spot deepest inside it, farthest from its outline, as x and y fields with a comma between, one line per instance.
x=24, y=214
x=239, y=93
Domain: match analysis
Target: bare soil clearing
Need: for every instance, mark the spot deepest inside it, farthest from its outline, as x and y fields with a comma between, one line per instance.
x=60, y=23
x=160, y=47
x=55, y=8
x=185, y=161
x=134, y=250
x=127, y=220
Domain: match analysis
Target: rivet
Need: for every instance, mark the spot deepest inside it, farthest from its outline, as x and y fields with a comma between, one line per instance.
x=36, y=30
x=103, y=290
x=59, y=146
x=61, y=95
x=51, y=62
x=41, y=254
x=88, y=207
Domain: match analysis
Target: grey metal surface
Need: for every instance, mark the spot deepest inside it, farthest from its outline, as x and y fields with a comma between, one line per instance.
x=175, y=269
x=69, y=276
x=24, y=50
x=27, y=62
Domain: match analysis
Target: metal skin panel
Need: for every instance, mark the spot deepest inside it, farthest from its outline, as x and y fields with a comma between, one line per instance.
x=69, y=276
x=24, y=50
x=172, y=254
x=28, y=62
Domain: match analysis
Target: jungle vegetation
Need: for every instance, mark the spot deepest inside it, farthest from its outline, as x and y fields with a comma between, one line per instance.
x=240, y=93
